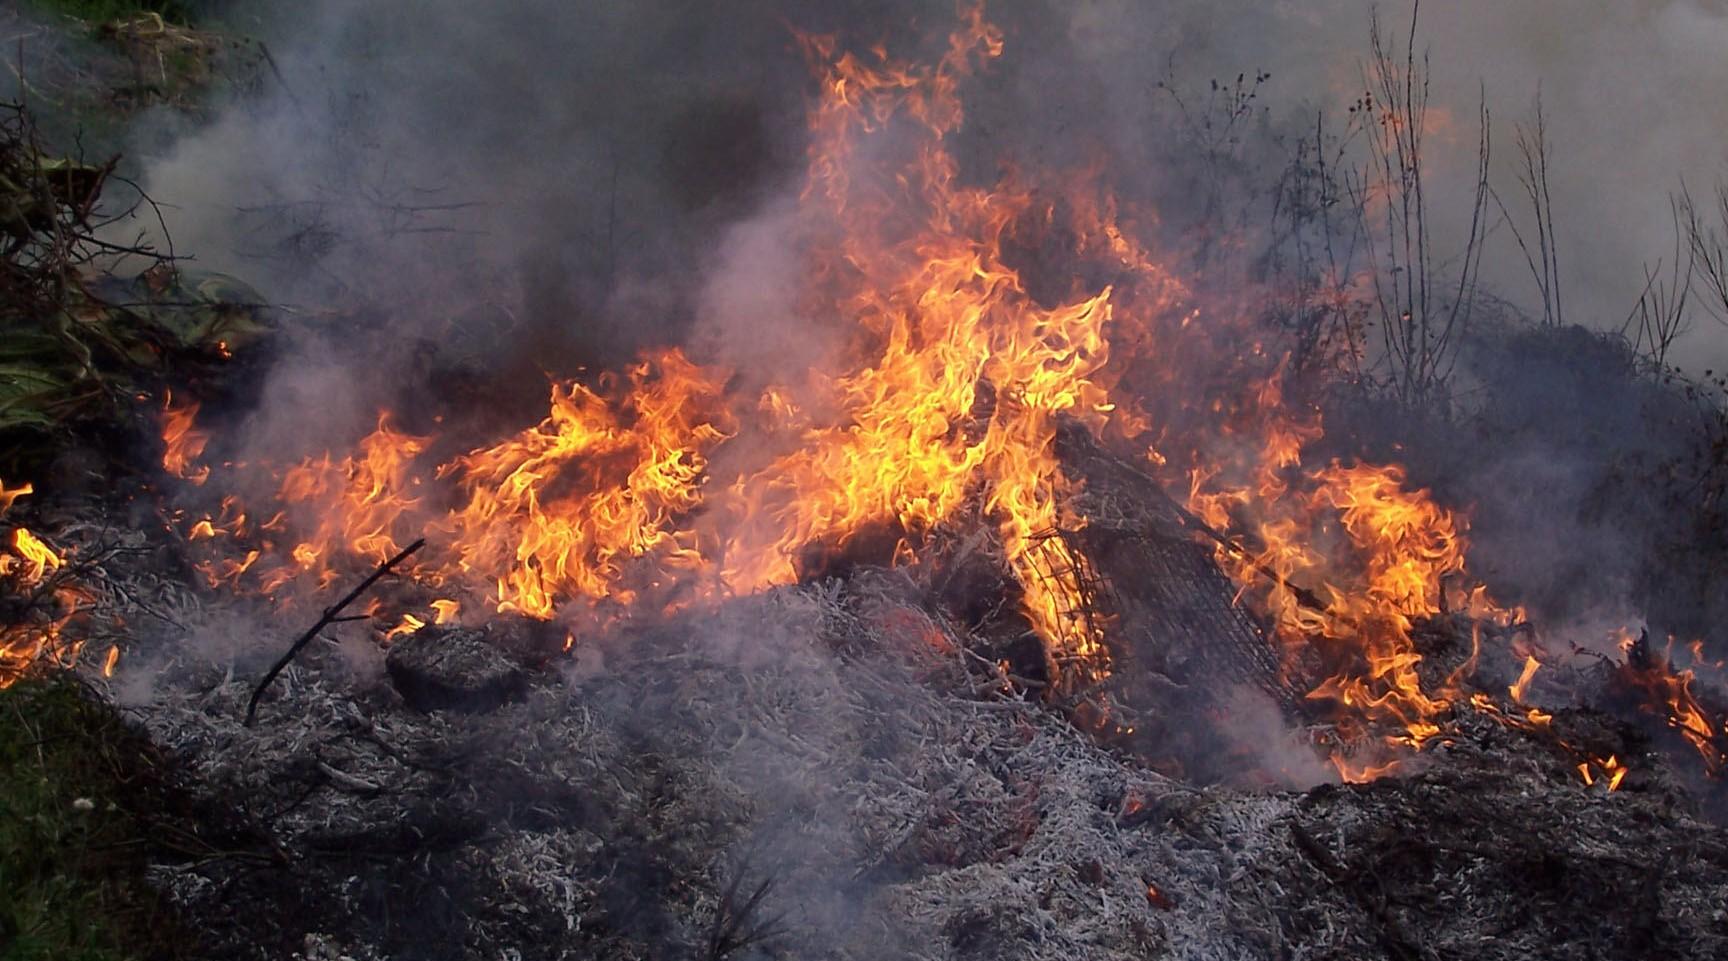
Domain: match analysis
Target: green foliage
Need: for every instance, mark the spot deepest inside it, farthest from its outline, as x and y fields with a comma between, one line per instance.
x=70, y=865
x=105, y=11
x=79, y=344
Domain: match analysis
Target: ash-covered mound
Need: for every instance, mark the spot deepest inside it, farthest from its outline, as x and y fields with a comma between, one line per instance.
x=826, y=772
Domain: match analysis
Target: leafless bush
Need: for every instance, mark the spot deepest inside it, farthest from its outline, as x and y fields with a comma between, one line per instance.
x=1541, y=249
x=1707, y=239
x=1422, y=314
x=1660, y=316
x=739, y=921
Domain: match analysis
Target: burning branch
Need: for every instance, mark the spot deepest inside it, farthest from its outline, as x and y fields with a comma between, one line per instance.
x=332, y=614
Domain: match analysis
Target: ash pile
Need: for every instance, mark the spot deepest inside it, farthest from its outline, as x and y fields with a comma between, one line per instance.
x=866, y=766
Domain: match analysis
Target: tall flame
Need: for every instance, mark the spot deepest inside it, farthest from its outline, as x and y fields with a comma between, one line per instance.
x=950, y=395
x=664, y=484
x=182, y=444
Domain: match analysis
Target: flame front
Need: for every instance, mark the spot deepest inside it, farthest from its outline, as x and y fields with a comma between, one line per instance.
x=666, y=485
x=948, y=396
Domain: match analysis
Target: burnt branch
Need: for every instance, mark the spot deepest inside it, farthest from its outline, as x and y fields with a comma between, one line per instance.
x=332, y=615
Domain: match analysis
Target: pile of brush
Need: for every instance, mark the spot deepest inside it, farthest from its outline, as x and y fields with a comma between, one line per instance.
x=92, y=316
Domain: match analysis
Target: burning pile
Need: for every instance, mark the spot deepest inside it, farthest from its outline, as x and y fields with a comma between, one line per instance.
x=989, y=655
x=664, y=486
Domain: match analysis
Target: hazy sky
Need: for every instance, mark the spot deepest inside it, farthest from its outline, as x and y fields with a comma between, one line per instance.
x=557, y=114
x=1635, y=92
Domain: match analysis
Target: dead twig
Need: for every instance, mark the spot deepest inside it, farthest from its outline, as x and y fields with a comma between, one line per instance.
x=331, y=615
x=737, y=923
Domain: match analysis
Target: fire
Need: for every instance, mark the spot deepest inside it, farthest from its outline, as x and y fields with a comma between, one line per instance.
x=38, y=558
x=358, y=501
x=1522, y=685
x=665, y=485
x=1608, y=770
x=1670, y=694
x=409, y=625
x=182, y=445
x=948, y=399
x=10, y=496
x=1344, y=562
x=48, y=601
x=566, y=509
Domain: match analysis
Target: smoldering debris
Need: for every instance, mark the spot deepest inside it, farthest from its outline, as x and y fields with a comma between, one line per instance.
x=810, y=765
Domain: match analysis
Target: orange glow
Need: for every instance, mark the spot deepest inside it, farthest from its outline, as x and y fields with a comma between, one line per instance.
x=409, y=625
x=1522, y=685
x=182, y=446
x=947, y=400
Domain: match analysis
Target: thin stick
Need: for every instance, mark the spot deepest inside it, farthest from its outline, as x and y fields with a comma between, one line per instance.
x=331, y=616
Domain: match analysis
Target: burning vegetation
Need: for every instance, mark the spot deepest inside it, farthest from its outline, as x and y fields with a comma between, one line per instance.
x=1046, y=508
x=658, y=488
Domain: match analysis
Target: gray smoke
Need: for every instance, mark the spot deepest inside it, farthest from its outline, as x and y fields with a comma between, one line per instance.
x=577, y=165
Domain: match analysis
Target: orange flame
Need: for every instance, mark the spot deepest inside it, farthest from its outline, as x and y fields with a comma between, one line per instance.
x=8, y=497
x=409, y=625
x=182, y=445
x=38, y=558
x=29, y=569
x=1670, y=694
x=1521, y=686
x=950, y=396
x=662, y=485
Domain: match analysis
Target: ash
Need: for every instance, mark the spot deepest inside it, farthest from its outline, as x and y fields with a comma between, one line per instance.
x=827, y=772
